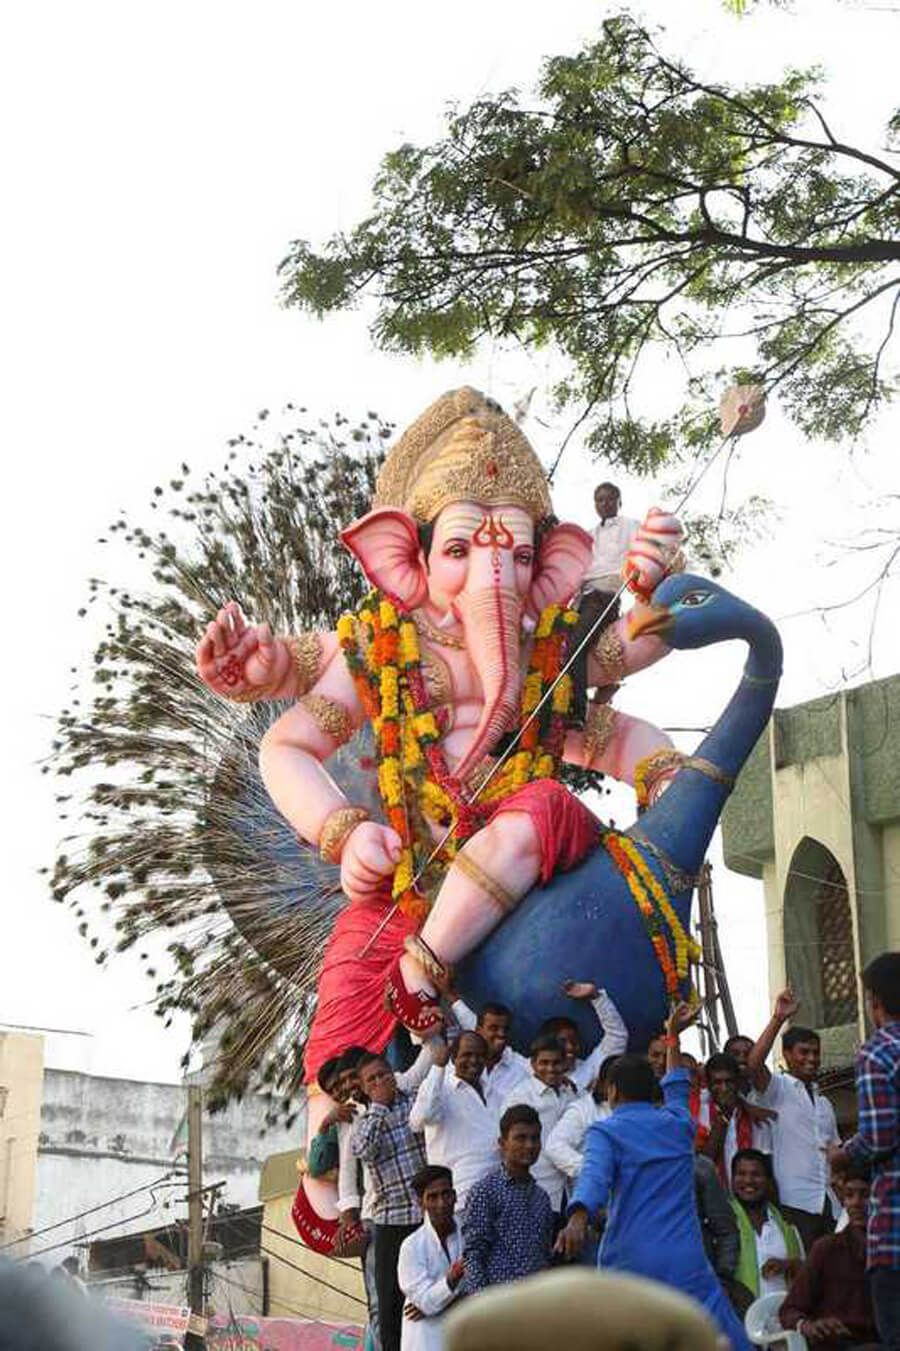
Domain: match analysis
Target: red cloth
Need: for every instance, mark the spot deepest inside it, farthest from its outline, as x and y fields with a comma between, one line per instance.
x=351, y=1009
x=565, y=827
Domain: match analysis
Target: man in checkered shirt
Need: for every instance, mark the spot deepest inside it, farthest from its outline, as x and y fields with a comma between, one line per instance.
x=393, y=1154
x=877, y=1140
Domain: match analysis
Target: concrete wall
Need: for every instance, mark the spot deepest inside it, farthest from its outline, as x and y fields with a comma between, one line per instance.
x=21, y=1068
x=302, y=1283
x=101, y=1138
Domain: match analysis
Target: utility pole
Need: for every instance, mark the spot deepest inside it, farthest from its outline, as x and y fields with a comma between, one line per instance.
x=195, y=1199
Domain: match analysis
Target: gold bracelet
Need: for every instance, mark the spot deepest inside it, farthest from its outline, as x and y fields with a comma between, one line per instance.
x=483, y=880
x=338, y=825
x=330, y=717
x=598, y=731
x=609, y=654
x=306, y=654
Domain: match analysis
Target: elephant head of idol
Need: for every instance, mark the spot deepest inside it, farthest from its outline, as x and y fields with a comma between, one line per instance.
x=462, y=526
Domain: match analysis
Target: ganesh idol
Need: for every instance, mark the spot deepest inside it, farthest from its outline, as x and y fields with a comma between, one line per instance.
x=462, y=640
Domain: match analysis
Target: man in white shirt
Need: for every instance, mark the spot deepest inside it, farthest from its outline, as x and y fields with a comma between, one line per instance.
x=546, y=1089
x=505, y=1067
x=771, y=1253
x=603, y=578
x=805, y=1125
x=430, y=1265
x=461, y=1130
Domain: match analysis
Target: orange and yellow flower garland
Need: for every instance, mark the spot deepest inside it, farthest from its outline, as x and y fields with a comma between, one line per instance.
x=657, y=912
x=381, y=646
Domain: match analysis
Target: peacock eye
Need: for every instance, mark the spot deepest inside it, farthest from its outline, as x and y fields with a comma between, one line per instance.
x=693, y=598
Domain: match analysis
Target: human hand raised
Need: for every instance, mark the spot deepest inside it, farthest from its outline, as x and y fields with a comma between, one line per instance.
x=235, y=658
x=786, y=1005
x=370, y=854
x=681, y=1017
x=580, y=989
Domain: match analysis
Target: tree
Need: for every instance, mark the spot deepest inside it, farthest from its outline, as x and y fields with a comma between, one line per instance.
x=173, y=833
x=626, y=208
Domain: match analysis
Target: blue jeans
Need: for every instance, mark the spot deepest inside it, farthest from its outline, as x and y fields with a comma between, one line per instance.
x=884, y=1283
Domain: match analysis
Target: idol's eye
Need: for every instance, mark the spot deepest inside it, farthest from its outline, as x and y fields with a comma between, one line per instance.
x=525, y=557
x=691, y=599
x=456, y=549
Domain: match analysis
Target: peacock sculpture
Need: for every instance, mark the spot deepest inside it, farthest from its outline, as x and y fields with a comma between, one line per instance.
x=585, y=924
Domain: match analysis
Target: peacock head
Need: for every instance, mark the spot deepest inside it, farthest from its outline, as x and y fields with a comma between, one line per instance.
x=688, y=611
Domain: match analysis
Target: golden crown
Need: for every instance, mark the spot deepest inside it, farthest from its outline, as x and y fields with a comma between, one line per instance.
x=462, y=448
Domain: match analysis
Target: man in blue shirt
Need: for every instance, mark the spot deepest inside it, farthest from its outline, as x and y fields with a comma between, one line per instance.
x=639, y=1163
x=877, y=1140
x=508, y=1221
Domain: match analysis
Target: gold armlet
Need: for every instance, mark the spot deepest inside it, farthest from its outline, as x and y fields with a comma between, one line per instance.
x=306, y=654
x=609, y=654
x=598, y=731
x=483, y=880
x=338, y=825
x=330, y=717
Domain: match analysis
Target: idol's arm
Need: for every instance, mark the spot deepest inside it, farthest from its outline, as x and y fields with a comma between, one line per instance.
x=290, y=761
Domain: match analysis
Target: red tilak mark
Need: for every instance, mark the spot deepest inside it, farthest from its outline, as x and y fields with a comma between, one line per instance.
x=493, y=533
x=491, y=469
x=232, y=672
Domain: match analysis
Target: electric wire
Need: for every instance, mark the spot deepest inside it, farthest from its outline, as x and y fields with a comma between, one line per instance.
x=72, y=1219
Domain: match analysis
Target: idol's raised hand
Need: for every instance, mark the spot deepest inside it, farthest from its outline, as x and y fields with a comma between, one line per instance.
x=240, y=660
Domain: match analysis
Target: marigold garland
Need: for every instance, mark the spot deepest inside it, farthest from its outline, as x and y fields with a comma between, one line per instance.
x=381, y=647
x=657, y=913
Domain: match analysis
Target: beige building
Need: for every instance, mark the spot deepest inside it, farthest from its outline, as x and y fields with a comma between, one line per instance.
x=816, y=816
x=21, y=1073
x=302, y=1282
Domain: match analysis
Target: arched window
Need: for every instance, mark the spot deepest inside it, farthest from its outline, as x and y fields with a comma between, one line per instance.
x=818, y=937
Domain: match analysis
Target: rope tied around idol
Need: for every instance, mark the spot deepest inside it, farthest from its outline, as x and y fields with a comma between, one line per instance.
x=742, y=410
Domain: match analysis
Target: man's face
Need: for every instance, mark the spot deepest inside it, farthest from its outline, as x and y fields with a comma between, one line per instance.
x=377, y=1082
x=347, y=1085
x=606, y=501
x=568, y=1040
x=803, y=1060
x=548, y=1067
x=332, y=1087
x=521, y=1145
x=739, y=1049
x=656, y=1054
x=723, y=1089
x=856, y=1201
x=494, y=1027
x=439, y=1202
x=470, y=1058
x=749, y=1182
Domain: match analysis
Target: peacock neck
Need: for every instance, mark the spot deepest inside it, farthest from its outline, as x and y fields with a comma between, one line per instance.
x=682, y=822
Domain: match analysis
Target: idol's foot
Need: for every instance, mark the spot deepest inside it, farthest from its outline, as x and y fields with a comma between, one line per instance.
x=409, y=996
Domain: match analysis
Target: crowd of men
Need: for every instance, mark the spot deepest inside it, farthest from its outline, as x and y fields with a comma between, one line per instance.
x=477, y=1166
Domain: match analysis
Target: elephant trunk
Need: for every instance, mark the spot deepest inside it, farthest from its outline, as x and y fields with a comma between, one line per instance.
x=491, y=619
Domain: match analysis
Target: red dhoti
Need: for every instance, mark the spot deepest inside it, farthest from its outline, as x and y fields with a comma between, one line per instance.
x=351, y=1007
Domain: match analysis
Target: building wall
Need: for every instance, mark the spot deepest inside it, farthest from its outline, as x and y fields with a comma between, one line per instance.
x=232, y=1287
x=302, y=1283
x=21, y=1068
x=825, y=771
x=101, y=1138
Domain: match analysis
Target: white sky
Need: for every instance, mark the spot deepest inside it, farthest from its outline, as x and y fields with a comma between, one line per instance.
x=158, y=159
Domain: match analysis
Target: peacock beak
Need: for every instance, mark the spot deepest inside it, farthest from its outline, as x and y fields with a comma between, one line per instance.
x=646, y=619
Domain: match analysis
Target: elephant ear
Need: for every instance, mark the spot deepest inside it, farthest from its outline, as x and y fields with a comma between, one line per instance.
x=386, y=543
x=562, y=561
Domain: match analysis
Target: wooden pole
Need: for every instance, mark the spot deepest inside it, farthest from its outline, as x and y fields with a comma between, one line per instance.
x=195, y=1199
